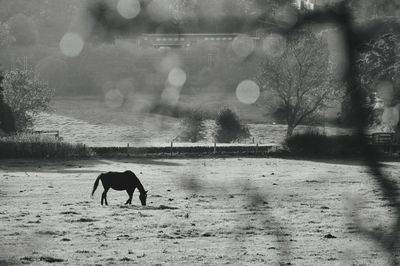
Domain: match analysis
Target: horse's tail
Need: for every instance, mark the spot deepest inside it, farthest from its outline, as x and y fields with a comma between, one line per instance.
x=96, y=183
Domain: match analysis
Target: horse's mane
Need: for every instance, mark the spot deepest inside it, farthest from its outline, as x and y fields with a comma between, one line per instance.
x=139, y=184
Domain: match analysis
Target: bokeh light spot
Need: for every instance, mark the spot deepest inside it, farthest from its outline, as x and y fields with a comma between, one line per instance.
x=114, y=99
x=128, y=8
x=243, y=45
x=177, y=77
x=274, y=45
x=170, y=95
x=71, y=44
x=248, y=92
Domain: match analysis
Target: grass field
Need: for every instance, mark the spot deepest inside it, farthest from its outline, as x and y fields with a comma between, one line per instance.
x=199, y=212
x=91, y=122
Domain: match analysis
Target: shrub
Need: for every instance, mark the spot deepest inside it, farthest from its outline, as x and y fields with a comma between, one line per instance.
x=229, y=127
x=314, y=143
x=193, y=127
x=38, y=146
x=26, y=95
x=311, y=142
x=7, y=121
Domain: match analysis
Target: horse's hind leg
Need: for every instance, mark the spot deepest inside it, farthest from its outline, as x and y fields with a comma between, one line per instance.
x=104, y=196
x=130, y=193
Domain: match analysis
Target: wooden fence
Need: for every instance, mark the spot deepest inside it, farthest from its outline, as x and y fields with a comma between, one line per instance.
x=55, y=133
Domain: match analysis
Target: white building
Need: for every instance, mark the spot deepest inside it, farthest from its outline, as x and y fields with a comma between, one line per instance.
x=306, y=4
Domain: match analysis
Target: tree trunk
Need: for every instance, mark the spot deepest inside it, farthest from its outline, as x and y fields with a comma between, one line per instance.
x=289, y=131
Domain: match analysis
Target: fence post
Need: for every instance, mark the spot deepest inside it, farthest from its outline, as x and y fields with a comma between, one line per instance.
x=172, y=145
x=215, y=147
x=127, y=149
x=257, y=148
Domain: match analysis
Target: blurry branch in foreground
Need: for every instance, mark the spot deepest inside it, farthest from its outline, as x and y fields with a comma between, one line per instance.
x=341, y=16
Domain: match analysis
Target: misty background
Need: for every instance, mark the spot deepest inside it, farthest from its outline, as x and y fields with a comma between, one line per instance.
x=147, y=65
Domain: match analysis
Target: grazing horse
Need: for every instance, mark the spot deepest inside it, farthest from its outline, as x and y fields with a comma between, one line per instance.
x=120, y=181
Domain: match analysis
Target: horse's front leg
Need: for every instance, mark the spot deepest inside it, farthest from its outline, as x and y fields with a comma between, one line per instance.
x=130, y=193
x=128, y=198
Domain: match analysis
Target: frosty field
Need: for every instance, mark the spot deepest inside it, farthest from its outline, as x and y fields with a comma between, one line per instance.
x=199, y=212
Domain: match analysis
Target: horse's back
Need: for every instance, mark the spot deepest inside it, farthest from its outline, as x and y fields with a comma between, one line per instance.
x=119, y=180
x=116, y=174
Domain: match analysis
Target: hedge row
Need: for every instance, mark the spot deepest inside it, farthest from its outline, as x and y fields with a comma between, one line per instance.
x=315, y=144
x=192, y=150
x=35, y=146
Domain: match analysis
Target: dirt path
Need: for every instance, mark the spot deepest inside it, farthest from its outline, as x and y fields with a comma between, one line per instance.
x=200, y=212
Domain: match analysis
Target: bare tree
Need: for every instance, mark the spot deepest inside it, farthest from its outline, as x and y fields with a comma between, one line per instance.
x=296, y=77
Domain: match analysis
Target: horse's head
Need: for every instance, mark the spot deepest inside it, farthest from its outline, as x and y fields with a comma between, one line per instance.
x=143, y=197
